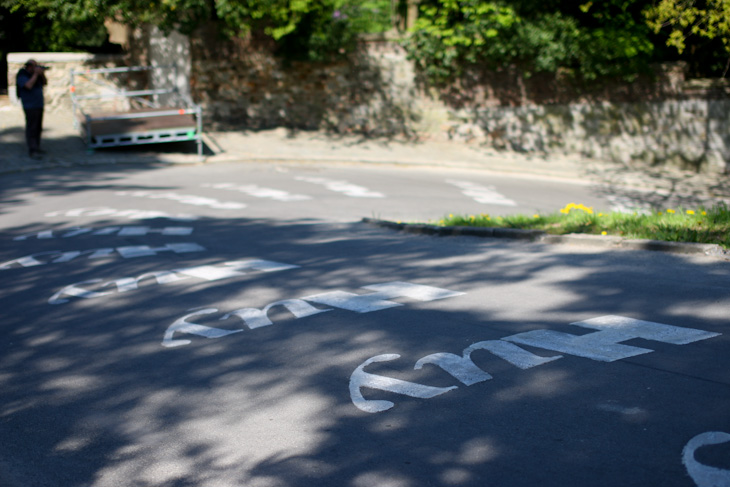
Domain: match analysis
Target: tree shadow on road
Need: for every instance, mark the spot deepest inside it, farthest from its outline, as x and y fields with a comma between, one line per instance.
x=89, y=388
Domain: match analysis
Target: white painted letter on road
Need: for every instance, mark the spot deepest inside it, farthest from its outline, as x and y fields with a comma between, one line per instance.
x=217, y=272
x=465, y=370
x=128, y=231
x=360, y=379
x=705, y=475
x=604, y=345
x=131, y=214
x=257, y=318
x=182, y=325
x=128, y=252
x=380, y=299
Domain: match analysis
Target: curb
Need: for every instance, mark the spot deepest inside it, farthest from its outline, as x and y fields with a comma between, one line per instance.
x=583, y=240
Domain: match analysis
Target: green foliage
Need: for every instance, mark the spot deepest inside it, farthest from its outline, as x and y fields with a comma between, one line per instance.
x=330, y=29
x=59, y=25
x=307, y=29
x=451, y=35
x=592, y=39
x=694, y=26
x=702, y=225
x=709, y=19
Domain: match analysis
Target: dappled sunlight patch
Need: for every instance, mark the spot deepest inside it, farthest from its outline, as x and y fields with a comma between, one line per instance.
x=541, y=384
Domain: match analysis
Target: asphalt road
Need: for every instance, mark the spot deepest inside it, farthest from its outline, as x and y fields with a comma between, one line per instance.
x=237, y=325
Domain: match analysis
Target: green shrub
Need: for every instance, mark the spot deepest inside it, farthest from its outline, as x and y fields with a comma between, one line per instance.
x=451, y=35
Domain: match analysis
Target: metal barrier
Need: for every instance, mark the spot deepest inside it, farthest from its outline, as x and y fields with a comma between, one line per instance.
x=148, y=123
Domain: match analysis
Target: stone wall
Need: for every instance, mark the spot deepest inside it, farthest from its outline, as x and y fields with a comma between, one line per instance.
x=58, y=90
x=241, y=85
x=663, y=120
x=169, y=53
x=688, y=134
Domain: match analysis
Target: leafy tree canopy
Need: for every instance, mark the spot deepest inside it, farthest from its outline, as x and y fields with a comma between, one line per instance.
x=322, y=26
x=591, y=38
x=608, y=38
x=687, y=20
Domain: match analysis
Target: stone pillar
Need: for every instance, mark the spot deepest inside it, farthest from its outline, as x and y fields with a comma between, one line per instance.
x=171, y=50
x=411, y=13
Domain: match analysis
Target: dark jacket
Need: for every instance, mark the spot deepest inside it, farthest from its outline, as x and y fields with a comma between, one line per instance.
x=30, y=98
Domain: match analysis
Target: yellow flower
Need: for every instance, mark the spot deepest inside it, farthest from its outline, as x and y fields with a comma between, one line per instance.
x=600, y=214
x=704, y=213
x=690, y=212
x=536, y=215
x=604, y=233
x=670, y=211
x=451, y=215
x=570, y=206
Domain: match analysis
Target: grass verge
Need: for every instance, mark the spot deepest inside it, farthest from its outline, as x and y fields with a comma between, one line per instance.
x=701, y=225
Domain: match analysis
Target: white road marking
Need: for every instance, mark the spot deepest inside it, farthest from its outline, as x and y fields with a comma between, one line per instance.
x=183, y=326
x=602, y=346
x=360, y=379
x=257, y=318
x=122, y=231
x=215, y=272
x=186, y=199
x=482, y=194
x=131, y=214
x=343, y=187
x=462, y=368
x=605, y=345
x=259, y=192
x=704, y=475
x=365, y=303
x=252, y=317
x=127, y=252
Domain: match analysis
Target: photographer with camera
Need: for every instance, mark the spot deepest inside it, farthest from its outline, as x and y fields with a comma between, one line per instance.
x=30, y=81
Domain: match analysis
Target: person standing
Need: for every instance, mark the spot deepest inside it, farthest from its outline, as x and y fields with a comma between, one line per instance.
x=30, y=82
